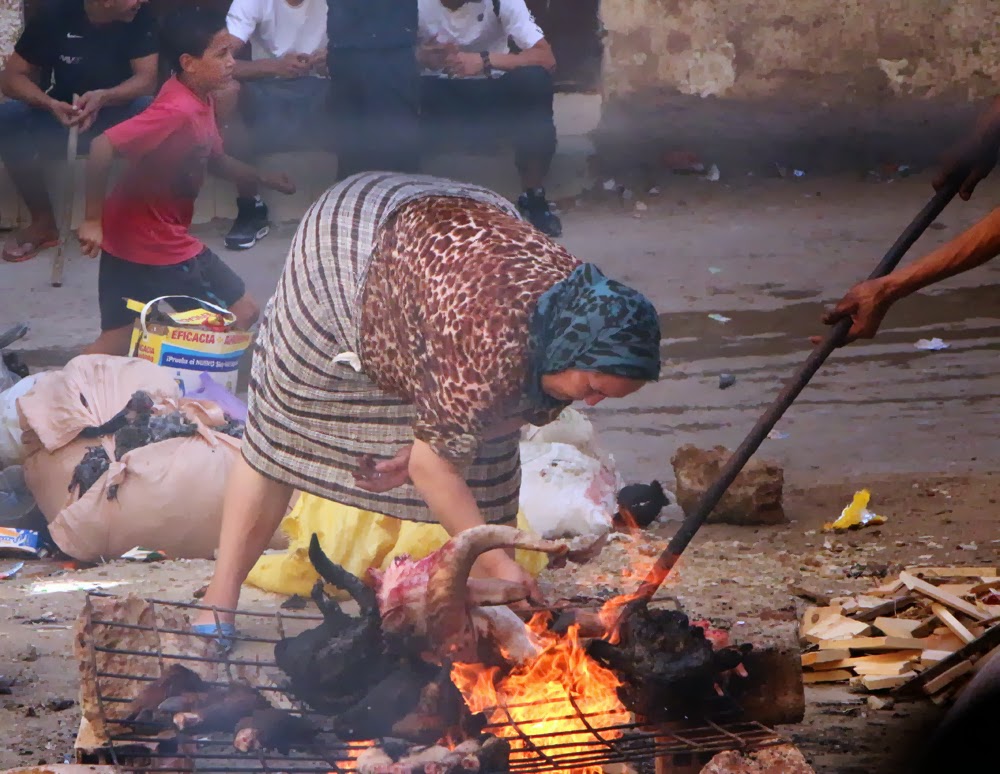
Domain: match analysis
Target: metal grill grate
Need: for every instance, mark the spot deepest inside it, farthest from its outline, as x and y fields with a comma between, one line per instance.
x=596, y=742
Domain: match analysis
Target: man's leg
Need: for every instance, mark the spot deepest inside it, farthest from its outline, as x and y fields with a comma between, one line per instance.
x=251, y=512
x=525, y=95
x=22, y=130
x=234, y=109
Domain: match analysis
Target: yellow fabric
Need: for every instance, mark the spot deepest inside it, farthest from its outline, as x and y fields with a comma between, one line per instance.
x=354, y=539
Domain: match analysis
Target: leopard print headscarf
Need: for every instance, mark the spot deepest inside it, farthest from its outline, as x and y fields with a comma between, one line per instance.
x=593, y=323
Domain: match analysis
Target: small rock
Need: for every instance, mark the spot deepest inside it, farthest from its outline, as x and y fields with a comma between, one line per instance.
x=781, y=758
x=30, y=713
x=58, y=705
x=878, y=703
x=6, y=686
x=647, y=549
x=726, y=381
x=755, y=497
x=31, y=654
x=641, y=206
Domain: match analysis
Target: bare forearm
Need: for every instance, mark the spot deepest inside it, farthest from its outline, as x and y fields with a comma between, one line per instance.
x=443, y=488
x=536, y=56
x=24, y=89
x=139, y=85
x=253, y=70
x=102, y=155
x=970, y=249
x=234, y=170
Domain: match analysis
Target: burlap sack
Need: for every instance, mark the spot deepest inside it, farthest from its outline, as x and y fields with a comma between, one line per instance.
x=165, y=496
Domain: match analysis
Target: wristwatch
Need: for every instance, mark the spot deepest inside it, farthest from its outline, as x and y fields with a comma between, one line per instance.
x=487, y=65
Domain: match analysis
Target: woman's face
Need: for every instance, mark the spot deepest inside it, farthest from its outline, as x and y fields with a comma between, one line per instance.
x=589, y=386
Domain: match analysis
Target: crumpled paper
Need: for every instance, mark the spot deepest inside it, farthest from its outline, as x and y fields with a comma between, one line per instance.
x=856, y=515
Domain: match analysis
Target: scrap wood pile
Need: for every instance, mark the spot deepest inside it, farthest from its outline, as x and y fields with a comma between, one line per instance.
x=921, y=634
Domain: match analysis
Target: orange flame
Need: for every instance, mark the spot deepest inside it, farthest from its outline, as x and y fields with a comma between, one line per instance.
x=548, y=686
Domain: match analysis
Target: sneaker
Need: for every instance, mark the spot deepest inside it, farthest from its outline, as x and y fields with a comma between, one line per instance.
x=534, y=208
x=250, y=224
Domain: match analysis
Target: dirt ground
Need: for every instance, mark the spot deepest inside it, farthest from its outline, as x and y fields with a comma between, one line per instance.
x=915, y=427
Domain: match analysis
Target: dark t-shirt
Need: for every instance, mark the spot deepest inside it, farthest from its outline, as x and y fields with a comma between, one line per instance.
x=371, y=23
x=83, y=56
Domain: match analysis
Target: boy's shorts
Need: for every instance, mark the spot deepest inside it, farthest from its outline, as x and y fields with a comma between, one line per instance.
x=206, y=277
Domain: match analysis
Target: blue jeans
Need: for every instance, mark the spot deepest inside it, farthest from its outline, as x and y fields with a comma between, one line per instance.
x=31, y=134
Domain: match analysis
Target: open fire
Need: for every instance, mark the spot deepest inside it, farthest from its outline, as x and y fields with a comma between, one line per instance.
x=573, y=689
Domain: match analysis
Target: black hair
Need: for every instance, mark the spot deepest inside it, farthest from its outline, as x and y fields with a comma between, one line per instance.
x=188, y=30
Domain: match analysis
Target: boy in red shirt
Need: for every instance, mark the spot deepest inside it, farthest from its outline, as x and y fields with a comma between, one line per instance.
x=142, y=229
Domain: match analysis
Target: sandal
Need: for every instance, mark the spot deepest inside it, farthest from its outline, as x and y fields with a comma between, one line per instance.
x=18, y=252
x=223, y=633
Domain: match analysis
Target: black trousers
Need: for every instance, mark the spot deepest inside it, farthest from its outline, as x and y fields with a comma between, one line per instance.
x=515, y=106
x=375, y=101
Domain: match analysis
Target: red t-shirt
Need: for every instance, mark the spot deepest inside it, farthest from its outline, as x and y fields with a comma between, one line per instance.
x=148, y=215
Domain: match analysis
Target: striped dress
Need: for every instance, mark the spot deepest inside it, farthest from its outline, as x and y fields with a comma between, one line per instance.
x=402, y=312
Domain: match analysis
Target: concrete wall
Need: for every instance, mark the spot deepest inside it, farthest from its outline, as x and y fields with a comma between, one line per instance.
x=10, y=26
x=857, y=50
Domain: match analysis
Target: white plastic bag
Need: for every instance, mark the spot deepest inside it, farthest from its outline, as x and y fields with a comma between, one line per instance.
x=568, y=484
x=12, y=451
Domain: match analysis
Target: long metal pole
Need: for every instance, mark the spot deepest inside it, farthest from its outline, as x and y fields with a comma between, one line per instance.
x=834, y=338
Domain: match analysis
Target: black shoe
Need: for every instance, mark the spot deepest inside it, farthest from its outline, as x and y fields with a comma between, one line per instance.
x=250, y=224
x=536, y=210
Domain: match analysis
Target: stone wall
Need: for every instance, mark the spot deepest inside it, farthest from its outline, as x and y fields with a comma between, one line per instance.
x=858, y=50
x=798, y=82
x=10, y=26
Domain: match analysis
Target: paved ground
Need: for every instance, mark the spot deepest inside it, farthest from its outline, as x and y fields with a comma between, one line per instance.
x=766, y=254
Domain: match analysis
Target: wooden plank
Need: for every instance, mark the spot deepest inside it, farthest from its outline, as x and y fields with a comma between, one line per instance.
x=930, y=657
x=894, y=606
x=886, y=682
x=894, y=657
x=923, y=587
x=889, y=589
x=958, y=589
x=946, y=617
x=824, y=656
x=898, y=668
x=874, y=643
x=897, y=627
x=827, y=676
x=813, y=616
x=836, y=628
x=947, y=677
x=979, y=646
x=955, y=572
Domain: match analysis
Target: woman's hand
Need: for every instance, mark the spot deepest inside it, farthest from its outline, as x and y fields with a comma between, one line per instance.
x=499, y=564
x=382, y=476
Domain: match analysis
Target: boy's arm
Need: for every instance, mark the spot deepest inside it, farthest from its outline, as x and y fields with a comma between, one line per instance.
x=236, y=171
x=98, y=170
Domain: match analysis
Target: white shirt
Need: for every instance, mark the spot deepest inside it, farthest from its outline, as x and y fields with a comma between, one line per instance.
x=475, y=27
x=275, y=28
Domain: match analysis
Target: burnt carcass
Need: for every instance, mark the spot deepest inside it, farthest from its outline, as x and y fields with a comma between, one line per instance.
x=670, y=668
x=431, y=605
x=334, y=665
x=343, y=668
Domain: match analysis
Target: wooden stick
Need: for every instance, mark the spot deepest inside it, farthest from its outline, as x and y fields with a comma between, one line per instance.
x=69, y=194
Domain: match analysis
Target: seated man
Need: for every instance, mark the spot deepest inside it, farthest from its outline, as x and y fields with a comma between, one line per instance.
x=103, y=51
x=282, y=94
x=471, y=79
